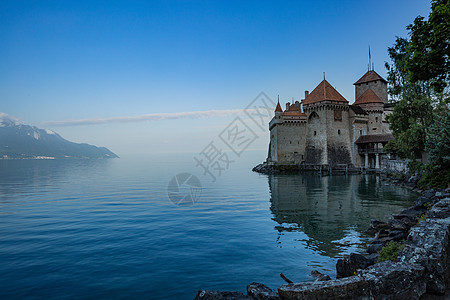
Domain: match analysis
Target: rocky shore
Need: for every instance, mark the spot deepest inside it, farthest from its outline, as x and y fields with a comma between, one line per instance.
x=265, y=168
x=422, y=267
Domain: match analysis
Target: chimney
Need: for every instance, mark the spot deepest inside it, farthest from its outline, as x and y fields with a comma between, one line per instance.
x=287, y=106
x=306, y=94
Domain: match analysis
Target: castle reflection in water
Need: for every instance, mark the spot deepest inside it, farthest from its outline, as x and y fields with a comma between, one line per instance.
x=332, y=211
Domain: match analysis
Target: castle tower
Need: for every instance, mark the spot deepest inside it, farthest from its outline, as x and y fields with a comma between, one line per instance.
x=374, y=107
x=372, y=81
x=328, y=137
x=287, y=135
x=371, y=97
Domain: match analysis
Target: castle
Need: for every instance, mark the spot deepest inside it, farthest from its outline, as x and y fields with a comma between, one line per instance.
x=324, y=130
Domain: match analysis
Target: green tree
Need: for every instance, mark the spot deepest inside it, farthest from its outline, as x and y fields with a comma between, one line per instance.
x=409, y=123
x=400, y=54
x=413, y=110
x=418, y=77
x=430, y=46
x=438, y=139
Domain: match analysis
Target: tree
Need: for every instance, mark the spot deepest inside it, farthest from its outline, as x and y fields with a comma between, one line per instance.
x=430, y=46
x=413, y=109
x=418, y=77
x=438, y=139
x=400, y=54
x=409, y=123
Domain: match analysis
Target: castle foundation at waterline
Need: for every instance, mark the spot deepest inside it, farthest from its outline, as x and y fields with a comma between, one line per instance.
x=324, y=132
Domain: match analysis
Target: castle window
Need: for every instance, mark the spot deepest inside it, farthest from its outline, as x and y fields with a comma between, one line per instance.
x=290, y=142
x=374, y=129
x=376, y=119
x=313, y=115
x=339, y=131
x=360, y=132
x=338, y=115
x=315, y=133
x=302, y=156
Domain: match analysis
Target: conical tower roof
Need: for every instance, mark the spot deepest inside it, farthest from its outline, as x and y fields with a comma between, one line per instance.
x=368, y=96
x=278, y=108
x=370, y=76
x=324, y=91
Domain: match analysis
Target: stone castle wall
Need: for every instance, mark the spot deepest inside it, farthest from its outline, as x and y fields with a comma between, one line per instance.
x=358, y=127
x=375, y=118
x=338, y=133
x=274, y=144
x=290, y=137
x=379, y=87
x=316, y=138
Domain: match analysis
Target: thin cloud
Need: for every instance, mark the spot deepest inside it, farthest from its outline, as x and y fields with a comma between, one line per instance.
x=147, y=117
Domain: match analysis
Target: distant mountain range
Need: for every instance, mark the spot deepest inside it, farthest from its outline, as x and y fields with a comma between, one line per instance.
x=23, y=141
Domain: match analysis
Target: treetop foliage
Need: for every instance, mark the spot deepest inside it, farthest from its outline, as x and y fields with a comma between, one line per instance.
x=418, y=77
x=430, y=46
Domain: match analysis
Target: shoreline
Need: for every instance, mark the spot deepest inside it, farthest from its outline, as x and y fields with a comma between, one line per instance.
x=265, y=168
x=421, y=270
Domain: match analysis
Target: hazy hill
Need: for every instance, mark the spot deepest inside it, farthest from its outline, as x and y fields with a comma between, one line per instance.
x=23, y=141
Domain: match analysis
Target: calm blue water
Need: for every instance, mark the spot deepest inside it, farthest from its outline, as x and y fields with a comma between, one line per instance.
x=105, y=229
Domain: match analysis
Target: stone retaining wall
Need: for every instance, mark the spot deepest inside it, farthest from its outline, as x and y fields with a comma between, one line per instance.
x=393, y=166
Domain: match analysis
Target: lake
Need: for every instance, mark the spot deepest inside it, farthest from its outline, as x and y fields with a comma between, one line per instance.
x=84, y=229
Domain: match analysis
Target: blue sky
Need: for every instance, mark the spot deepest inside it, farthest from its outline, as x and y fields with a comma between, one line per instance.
x=63, y=60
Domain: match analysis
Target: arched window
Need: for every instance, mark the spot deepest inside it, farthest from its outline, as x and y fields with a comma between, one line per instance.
x=313, y=115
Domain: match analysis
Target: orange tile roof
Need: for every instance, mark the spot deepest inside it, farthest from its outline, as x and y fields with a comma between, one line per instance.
x=368, y=96
x=293, y=110
x=293, y=113
x=370, y=76
x=324, y=91
x=278, y=108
